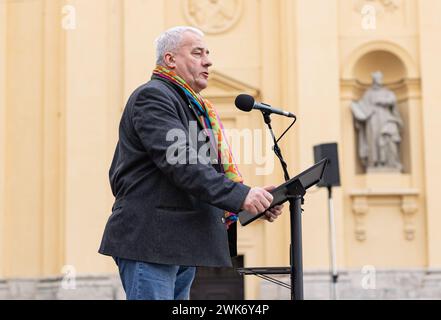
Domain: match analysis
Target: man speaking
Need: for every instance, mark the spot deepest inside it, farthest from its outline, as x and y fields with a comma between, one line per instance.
x=169, y=217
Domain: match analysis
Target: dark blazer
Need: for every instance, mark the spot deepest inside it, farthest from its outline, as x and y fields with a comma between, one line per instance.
x=167, y=213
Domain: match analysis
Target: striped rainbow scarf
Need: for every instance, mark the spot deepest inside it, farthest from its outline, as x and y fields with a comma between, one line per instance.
x=209, y=119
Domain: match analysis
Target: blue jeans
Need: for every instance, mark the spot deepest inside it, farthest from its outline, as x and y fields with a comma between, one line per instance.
x=151, y=281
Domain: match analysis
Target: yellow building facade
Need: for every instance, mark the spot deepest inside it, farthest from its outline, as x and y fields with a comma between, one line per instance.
x=68, y=67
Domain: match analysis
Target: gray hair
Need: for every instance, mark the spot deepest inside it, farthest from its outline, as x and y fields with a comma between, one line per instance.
x=169, y=41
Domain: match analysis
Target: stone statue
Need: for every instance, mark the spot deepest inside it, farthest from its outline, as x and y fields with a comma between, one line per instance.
x=379, y=125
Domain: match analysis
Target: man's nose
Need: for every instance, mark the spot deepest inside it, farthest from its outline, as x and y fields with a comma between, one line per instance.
x=207, y=62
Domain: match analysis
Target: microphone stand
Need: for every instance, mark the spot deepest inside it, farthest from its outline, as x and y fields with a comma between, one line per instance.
x=295, y=208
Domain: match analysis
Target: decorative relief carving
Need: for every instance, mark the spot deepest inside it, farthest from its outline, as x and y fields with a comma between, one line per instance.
x=360, y=208
x=384, y=5
x=390, y=5
x=224, y=89
x=213, y=16
x=408, y=202
x=409, y=207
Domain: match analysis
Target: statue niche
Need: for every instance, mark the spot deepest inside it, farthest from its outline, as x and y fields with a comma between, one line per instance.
x=378, y=125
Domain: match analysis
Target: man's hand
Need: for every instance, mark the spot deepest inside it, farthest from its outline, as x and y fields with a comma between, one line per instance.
x=257, y=200
x=273, y=213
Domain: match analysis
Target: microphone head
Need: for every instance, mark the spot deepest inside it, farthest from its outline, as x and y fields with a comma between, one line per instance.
x=244, y=102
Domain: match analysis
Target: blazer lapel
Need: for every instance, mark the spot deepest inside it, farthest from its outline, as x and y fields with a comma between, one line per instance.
x=184, y=97
x=187, y=102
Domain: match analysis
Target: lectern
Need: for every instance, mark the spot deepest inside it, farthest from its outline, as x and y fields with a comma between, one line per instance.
x=293, y=191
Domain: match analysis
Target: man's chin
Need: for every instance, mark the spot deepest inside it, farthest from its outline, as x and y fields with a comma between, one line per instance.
x=201, y=85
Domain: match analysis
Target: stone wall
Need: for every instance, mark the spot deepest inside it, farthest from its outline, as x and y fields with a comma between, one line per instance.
x=351, y=284
x=81, y=288
x=363, y=284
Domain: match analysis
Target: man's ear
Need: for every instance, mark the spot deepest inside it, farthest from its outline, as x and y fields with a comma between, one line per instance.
x=169, y=60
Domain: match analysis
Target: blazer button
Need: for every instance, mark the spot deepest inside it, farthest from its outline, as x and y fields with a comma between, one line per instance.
x=223, y=220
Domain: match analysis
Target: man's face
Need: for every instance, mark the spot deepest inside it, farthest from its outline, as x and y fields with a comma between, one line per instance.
x=192, y=61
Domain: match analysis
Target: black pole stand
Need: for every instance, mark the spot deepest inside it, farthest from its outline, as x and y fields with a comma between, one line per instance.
x=295, y=207
x=296, y=258
x=332, y=246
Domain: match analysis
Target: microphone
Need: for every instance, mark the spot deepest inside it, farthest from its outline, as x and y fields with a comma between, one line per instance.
x=246, y=103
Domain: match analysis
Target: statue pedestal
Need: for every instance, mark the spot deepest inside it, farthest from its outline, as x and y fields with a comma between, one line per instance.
x=384, y=170
x=389, y=193
x=388, y=203
x=377, y=179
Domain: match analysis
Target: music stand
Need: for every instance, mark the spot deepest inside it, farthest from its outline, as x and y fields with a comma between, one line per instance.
x=293, y=191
